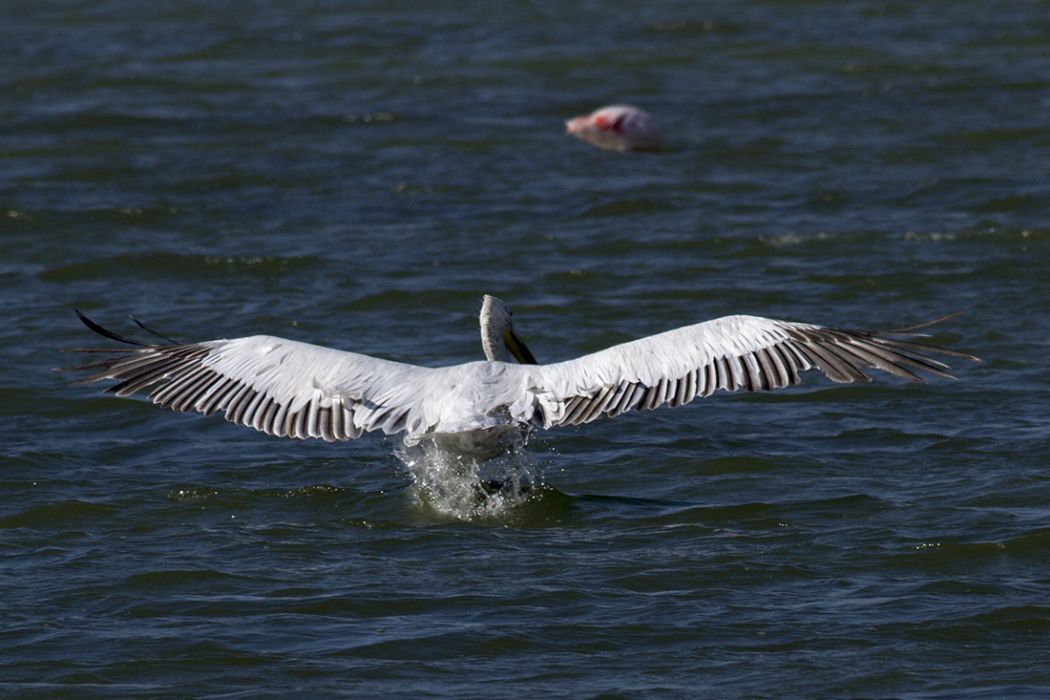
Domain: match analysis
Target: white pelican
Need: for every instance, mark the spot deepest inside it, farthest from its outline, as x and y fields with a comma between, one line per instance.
x=617, y=128
x=292, y=389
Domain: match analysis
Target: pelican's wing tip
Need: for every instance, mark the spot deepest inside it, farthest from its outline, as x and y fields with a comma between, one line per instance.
x=104, y=332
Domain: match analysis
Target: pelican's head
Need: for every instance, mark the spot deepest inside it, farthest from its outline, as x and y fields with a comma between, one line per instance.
x=498, y=339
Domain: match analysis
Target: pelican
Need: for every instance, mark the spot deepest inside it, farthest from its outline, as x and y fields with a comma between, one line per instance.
x=617, y=128
x=288, y=388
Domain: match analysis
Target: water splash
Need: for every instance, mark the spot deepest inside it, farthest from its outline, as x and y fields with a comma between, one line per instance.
x=468, y=487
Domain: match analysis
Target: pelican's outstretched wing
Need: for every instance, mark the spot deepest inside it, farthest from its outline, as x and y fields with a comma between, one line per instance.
x=278, y=386
x=292, y=389
x=729, y=353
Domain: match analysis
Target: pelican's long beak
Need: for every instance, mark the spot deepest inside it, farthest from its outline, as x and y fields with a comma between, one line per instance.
x=517, y=348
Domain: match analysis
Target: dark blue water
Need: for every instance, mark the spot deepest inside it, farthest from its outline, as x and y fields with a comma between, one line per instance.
x=358, y=175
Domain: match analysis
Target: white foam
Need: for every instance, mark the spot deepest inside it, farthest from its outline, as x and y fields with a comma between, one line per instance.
x=469, y=488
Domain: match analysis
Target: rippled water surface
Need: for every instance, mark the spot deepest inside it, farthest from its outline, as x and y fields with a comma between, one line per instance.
x=358, y=175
